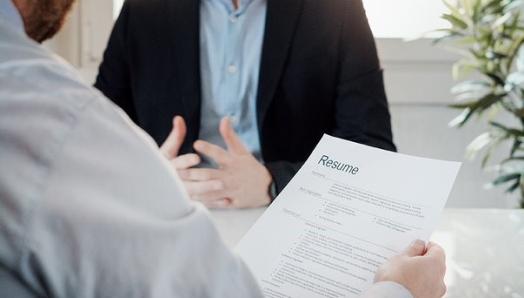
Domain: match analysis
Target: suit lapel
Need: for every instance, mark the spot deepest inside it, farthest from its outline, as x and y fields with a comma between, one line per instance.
x=184, y=23
x=281, y=21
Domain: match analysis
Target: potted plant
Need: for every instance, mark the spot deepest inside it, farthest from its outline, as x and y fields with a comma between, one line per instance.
x=489, y=36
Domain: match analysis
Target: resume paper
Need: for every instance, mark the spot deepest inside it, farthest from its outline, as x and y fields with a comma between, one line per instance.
x=347, y=211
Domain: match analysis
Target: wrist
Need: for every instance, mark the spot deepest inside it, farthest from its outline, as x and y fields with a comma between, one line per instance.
x=269, y=187
x=272, y=191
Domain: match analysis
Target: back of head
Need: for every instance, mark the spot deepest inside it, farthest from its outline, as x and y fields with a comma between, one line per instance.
x=43, y=18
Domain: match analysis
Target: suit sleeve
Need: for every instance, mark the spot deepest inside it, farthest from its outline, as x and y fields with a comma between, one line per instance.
x=282, y=172
x=361, y=108
x=113, y=78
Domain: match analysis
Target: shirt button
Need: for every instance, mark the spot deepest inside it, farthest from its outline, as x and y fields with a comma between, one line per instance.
x=233, y=18
x=232, y=69
x=233, y=118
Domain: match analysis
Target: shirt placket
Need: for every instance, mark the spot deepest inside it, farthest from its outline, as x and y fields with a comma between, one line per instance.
x=232, y=70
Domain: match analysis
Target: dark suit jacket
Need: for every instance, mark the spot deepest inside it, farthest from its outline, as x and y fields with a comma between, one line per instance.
x=319, y=74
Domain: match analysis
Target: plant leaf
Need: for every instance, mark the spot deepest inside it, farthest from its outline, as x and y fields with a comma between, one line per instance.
x=516, y=145
x=512, y=159
x=515, y=79
x=496, y=78
x=470, y=86
x=506, y=178
x=455, y=22
x=463, y=68
x=513, y=187
x=461, y=119
x=520, y=59
x=513, y=5
x=509, y=131
x=453, y=9
x=501, y=21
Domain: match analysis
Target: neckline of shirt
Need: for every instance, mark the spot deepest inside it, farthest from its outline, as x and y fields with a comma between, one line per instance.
x=228, y=4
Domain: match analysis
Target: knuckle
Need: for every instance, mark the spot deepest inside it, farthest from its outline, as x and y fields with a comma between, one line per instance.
x=197, y=197
x=443, y=289
x=191, y=191
x=196, y=159
x=192, y=175
x=217, y=185
x=228, y=202
x=444, y=268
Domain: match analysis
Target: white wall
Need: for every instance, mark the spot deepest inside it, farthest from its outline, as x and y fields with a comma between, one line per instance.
x=418, y=80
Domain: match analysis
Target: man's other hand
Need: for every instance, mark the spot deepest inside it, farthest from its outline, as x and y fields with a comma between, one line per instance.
x=240, y=181
x=419, y=269
x=172, y=144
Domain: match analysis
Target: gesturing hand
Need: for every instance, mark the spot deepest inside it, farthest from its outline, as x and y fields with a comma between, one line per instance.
x=240, y=181
x=172, y=144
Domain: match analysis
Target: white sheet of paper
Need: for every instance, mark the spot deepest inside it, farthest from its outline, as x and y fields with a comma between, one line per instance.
x=347, y=211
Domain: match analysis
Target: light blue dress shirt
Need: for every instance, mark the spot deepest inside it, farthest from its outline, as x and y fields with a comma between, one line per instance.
x=230, y=53
x=9, y=13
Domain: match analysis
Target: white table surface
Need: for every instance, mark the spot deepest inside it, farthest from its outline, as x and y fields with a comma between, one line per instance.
x=484, y=247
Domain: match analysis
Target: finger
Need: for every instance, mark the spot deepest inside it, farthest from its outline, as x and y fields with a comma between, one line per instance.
x=416, y=248
x=174, y=141
x=232, y=140
x=436, y=252
x=185, y=161
x=211, y=196
x=216, y=153
x=219, y=204
x=196, y=189
x=200, y=174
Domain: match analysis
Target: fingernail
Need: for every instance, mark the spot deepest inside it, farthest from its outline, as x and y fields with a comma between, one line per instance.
x=418, y=243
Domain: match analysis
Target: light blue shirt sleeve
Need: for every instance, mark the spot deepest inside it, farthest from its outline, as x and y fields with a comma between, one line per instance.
x=88, y=206
x=230, y=54
x=387, y=290
x=10, y=14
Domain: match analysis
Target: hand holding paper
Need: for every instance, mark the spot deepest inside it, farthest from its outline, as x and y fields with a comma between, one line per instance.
x=419, y=268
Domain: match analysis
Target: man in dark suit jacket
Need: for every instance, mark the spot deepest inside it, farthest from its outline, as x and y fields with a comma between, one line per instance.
x=318, y=73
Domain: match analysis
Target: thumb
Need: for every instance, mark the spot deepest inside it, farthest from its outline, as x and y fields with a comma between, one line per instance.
x=233, y=142
x=436, y=251
x=416, y=248
x=174, y=141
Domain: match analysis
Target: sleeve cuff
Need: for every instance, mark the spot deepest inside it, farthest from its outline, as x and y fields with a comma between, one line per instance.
x=387, y=289
x=273, y=191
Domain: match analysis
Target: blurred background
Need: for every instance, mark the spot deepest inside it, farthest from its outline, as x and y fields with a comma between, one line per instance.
x=418, y=81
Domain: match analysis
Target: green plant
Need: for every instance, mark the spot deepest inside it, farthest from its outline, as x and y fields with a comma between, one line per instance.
x=489, y=36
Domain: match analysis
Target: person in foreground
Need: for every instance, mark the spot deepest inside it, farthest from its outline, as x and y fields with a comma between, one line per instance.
x=77, y=220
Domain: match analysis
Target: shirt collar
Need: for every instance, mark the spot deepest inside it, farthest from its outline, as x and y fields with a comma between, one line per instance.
x=230, y=7
x=10, y=14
